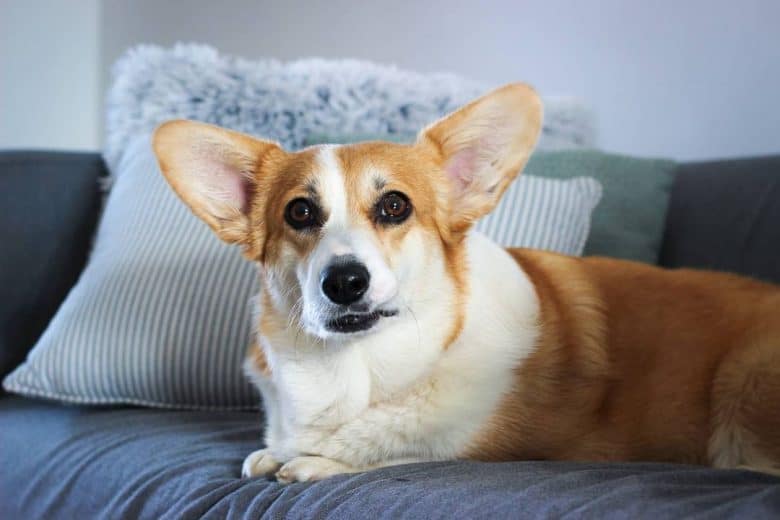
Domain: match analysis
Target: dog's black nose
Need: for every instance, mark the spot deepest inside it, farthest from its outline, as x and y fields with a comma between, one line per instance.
x=345, y=281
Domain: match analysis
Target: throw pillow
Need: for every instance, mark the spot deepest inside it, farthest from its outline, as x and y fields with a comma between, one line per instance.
x=290, y=101
x=629, y=221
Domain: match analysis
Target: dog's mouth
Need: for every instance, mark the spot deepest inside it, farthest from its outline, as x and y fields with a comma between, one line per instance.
x=357, y=322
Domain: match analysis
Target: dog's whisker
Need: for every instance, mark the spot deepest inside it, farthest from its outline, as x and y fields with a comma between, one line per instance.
x=416, y=321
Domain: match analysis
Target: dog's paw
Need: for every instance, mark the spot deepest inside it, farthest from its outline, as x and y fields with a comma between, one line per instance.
x=308, y=469
x=259, y=463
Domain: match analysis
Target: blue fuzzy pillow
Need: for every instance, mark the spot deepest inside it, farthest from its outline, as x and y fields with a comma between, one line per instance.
x=290, y=101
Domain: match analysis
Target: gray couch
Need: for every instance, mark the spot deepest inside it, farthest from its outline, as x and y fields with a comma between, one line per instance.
x=63, y=461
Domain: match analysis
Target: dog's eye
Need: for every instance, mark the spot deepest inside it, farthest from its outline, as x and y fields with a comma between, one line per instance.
x=300, y=214
x=393, y=208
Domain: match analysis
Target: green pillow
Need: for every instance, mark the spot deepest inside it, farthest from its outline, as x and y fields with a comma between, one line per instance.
x=628, y=222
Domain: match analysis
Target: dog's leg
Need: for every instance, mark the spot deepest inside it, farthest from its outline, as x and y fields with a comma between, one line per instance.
x=746, y=419
x=381, y=436
x=259, y=464
x=310, y=468
x=265, y=461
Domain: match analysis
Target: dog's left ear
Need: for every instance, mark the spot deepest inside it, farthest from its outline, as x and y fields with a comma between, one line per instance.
x=483, y=147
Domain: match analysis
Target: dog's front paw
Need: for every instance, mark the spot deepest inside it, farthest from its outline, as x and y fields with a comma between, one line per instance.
x=308, y=469
x=259, y=463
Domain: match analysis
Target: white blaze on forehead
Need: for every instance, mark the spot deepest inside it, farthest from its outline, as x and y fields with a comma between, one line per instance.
x=343, y=234
x=332, y=189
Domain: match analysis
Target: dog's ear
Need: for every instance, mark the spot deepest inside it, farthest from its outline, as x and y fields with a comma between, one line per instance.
x=214, y=171
x=483, y=147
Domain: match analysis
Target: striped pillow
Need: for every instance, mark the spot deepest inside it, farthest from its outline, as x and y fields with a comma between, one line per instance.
x=541, y=213
x=161, y=314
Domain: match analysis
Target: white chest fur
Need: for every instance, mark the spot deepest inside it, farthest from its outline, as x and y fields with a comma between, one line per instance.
x=395, y=393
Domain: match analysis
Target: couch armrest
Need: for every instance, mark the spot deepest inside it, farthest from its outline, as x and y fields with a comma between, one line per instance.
x=50, y=203
x=725, y=215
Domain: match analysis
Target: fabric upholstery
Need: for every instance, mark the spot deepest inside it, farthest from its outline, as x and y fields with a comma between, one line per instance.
x=725, y=215
x=50, y=202
x=75, y=462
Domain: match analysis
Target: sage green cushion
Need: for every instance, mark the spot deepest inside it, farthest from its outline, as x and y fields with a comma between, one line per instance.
x=627, y=223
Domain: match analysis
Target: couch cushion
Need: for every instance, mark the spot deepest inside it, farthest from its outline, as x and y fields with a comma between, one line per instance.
x=74, y=462
x=50, y=204
x=725, y=215
x=629, y=221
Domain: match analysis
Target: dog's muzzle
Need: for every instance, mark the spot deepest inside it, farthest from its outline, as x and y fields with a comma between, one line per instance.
x=345, y=282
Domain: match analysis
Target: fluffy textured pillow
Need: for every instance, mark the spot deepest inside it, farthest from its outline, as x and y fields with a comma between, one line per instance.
x=290, y=101
x=161, y=314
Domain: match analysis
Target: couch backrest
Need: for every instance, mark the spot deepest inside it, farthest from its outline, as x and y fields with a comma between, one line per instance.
x=725, y=215
x=50, y=202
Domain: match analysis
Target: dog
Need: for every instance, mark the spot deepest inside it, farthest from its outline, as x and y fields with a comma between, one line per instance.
x=388, y=332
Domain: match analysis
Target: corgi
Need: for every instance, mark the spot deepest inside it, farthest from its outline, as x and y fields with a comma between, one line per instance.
x=388, y=332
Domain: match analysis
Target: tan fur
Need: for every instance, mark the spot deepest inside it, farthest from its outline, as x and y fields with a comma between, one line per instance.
x=640, y=363
x=285, y=179
x=268, y=323
x=259, y=359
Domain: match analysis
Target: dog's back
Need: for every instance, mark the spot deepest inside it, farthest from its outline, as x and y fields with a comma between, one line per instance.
x=638, y=362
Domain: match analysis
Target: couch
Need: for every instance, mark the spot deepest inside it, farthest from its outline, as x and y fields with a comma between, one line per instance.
x=67, y=461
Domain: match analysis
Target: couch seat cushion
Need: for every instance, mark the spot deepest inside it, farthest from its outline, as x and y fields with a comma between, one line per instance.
x=75, y=462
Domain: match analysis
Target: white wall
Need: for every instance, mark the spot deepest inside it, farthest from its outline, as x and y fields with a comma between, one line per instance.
x=680, y=78
x=49, y=74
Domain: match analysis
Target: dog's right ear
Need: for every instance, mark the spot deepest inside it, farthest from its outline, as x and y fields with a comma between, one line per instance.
x=214, y=171
x=482, y=148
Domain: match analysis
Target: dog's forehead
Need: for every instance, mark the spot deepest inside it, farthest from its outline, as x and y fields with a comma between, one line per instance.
x=331, y=186
x=345, y=180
